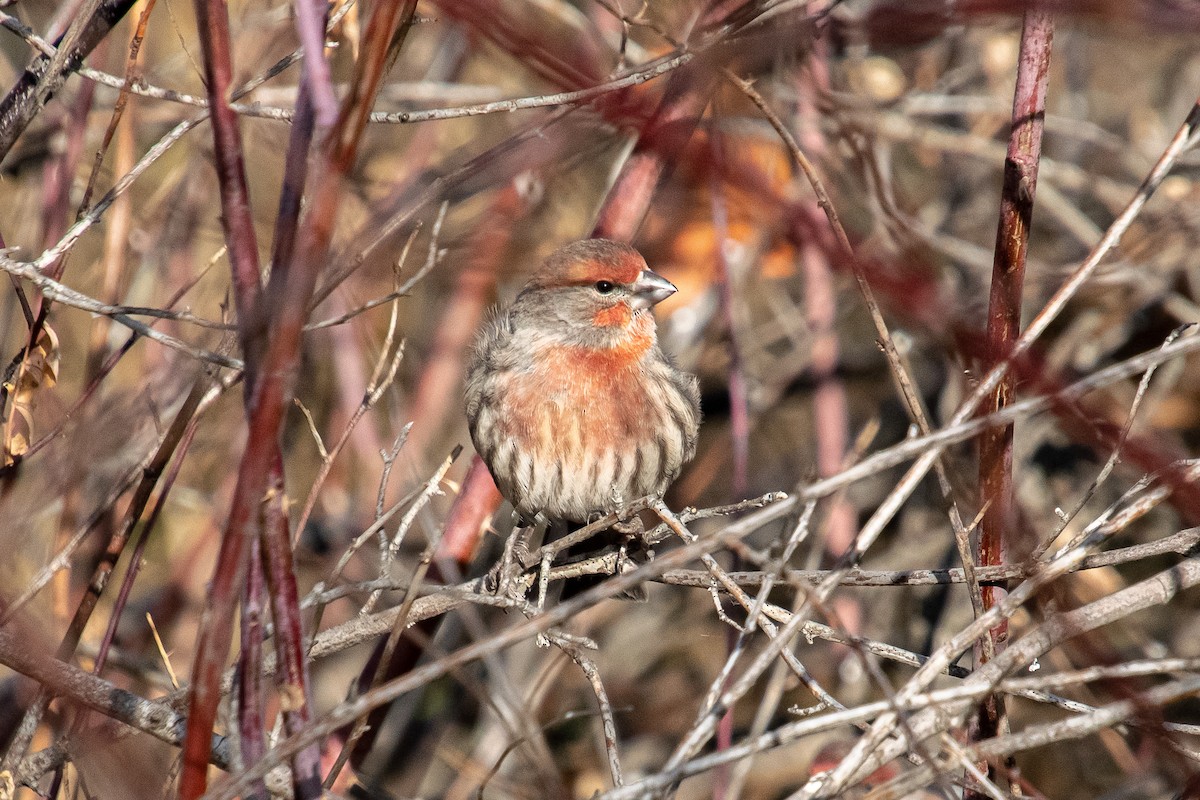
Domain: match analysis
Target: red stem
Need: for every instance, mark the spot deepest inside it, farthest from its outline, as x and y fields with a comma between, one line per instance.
x=660, y=144
x=1004, y=317
x=289, y=293
x=310, y=25
x=293, y=675
x=212, y=18
x=216, y=629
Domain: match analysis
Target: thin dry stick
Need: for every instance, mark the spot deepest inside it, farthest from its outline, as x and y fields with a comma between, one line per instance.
x=68, y=681
x=1115, y=456
x=410, y=596
x=389, y=548
x=716, y=700
x=896, y=361
x=554, y=617
x=958, y=700
x=1030, y=689
x=608, y=723
x=319, y=596
x=710, y=705
x=131, y=78
x=646, y=72
x=1057, y=732
x=62, y=559
x=376, y=388
x=872, y=747
x=139, y=548
x=1178, y=543
x=60, y=293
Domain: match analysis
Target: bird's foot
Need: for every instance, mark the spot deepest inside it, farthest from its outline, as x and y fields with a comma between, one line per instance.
x=504, y=578
x=631, y=528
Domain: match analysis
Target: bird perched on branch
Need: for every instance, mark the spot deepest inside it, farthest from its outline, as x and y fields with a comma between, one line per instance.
x=571, y=403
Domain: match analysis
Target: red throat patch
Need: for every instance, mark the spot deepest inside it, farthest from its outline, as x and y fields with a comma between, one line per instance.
x=599, y=363
x=619, y=315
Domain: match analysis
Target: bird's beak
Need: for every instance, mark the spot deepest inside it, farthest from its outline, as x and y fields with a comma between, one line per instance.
x=650, y=289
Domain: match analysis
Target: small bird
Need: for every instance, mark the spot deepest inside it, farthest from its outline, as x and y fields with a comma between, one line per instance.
x=571, y=403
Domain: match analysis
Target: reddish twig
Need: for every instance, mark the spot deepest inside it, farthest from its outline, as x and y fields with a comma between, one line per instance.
x=236, y=219
x=295, y=176
x=293, y=675
x=288, y=296
x=659, y=143
x=116, y=233
x=243, y=525
x=1003, y=327
x=310, y=25
x=131, y=70
x=315, y=103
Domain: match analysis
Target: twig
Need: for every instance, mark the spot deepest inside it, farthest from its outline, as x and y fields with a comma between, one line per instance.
x=1111, y=462
x=60, y=293
x=957, y=700
x=554, y=617
x=608, y=723
x=388, y=548
x=381, y=379
x=1179, y=543
x=66, y=680
x=45, y=74
x=1003, y=324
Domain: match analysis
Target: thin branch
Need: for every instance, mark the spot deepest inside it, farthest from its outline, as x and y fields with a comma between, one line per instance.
x=1003, y=325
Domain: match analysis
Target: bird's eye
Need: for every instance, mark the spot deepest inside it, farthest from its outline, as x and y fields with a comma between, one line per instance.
x=604, y=287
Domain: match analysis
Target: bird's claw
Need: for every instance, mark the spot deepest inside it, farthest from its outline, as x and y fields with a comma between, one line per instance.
x=630, y=528
x=504, y=576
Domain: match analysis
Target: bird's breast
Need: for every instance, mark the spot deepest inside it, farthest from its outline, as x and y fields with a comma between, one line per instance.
x=585, y=432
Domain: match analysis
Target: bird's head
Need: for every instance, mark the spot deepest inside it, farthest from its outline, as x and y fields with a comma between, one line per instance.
x=596, y=290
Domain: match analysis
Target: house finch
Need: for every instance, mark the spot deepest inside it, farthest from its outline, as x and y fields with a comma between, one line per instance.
x=571, y=403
